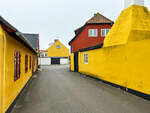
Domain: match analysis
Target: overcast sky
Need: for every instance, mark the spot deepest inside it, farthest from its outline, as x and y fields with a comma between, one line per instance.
x=57, y=18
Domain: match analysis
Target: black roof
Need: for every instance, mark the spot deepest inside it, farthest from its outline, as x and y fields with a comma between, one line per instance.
x=18, y=34
x=91, y=47
x=32, y=38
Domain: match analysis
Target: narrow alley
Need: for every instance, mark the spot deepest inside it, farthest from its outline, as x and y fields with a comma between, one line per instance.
x=55, y=89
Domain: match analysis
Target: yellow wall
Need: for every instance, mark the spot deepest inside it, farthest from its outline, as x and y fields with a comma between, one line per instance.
x=72, y=62
x=58, y=52
x=1, y=69
x=13, y=88
x=135, y=19
x=125, y=56
x=125, y=65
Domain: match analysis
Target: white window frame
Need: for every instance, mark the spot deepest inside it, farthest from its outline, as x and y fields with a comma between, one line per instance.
x=85, y=58
x=108, y=31
x=92, y=32
x=102, y=35
x=72, y=48
x=45, y=54
x=105, y=30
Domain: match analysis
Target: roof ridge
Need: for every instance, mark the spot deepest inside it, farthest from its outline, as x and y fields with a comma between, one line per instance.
x=106, y=17
x=99, y=18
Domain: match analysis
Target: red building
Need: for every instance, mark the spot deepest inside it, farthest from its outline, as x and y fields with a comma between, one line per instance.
x=92, y=33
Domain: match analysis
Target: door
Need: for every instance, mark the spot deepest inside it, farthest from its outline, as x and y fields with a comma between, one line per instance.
x=76, y=62
x=55, y=60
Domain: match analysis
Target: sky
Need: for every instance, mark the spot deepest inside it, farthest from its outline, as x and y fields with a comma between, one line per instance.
x=57, y=19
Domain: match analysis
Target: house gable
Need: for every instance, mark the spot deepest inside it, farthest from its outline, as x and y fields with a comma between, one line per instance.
x=90, y=34
x=57, y=50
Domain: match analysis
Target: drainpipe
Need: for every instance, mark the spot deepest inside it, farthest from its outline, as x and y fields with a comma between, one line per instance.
x=128, y=3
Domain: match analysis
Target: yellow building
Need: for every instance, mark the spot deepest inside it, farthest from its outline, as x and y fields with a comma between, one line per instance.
x=18, y=61
x=124, y=59
x=58, y=53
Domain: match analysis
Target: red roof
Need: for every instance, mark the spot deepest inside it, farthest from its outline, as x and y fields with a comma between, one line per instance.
x=96, y=19
x=43, y=51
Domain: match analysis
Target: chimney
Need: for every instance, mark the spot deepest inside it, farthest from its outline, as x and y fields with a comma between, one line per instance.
x=55, y=40
x=128, y=3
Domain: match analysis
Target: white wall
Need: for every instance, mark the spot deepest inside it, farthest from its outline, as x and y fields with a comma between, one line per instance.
x=128, y=3
x=64, y=61
x=47, y=61
x=44, y=61
x=43, y=54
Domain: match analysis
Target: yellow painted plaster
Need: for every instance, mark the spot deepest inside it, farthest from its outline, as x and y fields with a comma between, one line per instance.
x=72, y=62
x=125, y=57
x=13, y=88
x=1, y=70
x=133, y=19
x=63, y=51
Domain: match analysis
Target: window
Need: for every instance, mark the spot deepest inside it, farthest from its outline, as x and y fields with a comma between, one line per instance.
x=30, y=62
x=26, y=63
x=17, y=61
x=37, y=62
x=92, y=32
x=85, y=58
x=71, y=48
x=107, y=30
x=104, y=32
x=41, y=54
x=33, y=62
x=57, y=46
x=45, y=54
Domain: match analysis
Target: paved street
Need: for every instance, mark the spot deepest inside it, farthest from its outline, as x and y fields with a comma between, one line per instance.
x=56, y=90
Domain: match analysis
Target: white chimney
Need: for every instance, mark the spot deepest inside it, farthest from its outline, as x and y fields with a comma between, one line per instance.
x=128, y=3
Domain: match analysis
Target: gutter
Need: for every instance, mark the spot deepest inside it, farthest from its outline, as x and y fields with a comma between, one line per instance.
x=91, y=48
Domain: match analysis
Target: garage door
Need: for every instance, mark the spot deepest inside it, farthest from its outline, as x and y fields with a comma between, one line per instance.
x=64, y=61
x=44, y=61
x=55, y=60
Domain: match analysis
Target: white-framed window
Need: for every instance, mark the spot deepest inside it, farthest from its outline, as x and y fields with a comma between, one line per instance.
x=72, y=48
x=57, y=46
x=104, y=32
x=45, y=54
x=92, y=32
x=85, y=58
